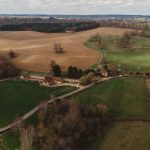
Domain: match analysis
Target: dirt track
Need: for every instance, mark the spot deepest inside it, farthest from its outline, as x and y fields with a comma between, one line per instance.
x=35, y=49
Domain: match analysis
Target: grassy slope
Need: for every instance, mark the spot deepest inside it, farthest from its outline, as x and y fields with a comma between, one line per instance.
x=126, y=136
x=18, y=97
x=124, y=97
x=129, y=60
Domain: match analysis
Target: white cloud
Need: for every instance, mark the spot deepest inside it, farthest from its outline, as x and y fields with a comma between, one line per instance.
x=75, y=6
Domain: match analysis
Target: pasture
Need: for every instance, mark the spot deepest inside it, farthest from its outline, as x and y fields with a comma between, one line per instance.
x=125, y=136
x=136, y=58
x=124, y=97
x=19, y=97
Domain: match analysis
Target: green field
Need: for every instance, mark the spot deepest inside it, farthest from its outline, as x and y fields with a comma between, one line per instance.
x=137, y=57
x=124, y=97
x=148, y=85
x=130, y=61
x=125, y=136
x=18, y=97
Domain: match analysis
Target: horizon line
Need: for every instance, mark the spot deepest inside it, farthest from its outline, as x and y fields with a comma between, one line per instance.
x=72, y=14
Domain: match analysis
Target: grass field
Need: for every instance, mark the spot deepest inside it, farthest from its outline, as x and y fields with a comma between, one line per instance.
x=136, y=59
x=18, y=97
x=125, y=136
x=130, y=61
x=124, y=97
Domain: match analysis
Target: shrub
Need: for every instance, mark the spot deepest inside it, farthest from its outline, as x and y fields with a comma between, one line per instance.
x=87, y=79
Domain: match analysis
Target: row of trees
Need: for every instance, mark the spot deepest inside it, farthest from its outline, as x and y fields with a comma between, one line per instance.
x=125, y=24
x=51, y=27
x=86, y=76
x=72, y=71
x=125, y=39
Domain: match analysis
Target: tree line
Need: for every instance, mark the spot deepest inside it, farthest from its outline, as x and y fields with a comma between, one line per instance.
x=124, y=41
x=129, y=24
x=50, y=27
x=72, y=72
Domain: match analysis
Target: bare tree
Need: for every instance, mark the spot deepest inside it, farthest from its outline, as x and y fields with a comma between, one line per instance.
x=26, y=138
x=55, y=48
x=12, y=54
x=58, y=48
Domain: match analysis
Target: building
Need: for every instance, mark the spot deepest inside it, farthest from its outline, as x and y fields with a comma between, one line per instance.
x=54, y=80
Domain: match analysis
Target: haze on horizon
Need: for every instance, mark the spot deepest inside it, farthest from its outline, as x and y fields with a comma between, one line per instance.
x=82, y=7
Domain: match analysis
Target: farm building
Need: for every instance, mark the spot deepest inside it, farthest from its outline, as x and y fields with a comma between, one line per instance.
x=44, y=80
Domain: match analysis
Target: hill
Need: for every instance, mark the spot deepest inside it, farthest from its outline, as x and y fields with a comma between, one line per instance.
x=35, y=49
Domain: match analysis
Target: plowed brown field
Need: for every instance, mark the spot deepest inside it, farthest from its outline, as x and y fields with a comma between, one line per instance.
x=35, y=49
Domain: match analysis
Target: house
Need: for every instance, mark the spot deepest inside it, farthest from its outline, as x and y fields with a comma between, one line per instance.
x=44, y=80
x=104, y=71
x=72, y=81
x=32, y=77
x=109, y=69
x=113, y=70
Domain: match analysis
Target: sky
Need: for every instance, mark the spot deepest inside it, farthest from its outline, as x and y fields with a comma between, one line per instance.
x=83, y=7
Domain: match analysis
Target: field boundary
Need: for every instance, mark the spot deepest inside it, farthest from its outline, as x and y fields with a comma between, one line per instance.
x=131, y=120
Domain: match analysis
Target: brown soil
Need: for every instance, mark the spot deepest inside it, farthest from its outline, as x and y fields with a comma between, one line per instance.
x=35, y=49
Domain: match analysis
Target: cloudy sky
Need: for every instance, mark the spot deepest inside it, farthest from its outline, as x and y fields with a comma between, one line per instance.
x=75, y=6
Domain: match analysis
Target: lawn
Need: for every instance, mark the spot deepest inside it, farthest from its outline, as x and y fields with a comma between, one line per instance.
x=18, y=97
x=124, y=97
x=125, y=136
x=135, y=58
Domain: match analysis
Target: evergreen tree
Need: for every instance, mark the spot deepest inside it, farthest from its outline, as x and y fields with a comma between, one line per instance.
x=74, y=72
x=80, y=73
x=69, y=72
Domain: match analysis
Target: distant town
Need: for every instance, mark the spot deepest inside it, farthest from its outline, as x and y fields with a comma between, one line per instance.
x=84, y=17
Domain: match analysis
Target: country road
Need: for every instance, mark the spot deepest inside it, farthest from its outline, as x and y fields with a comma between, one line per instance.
x=35, y=109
